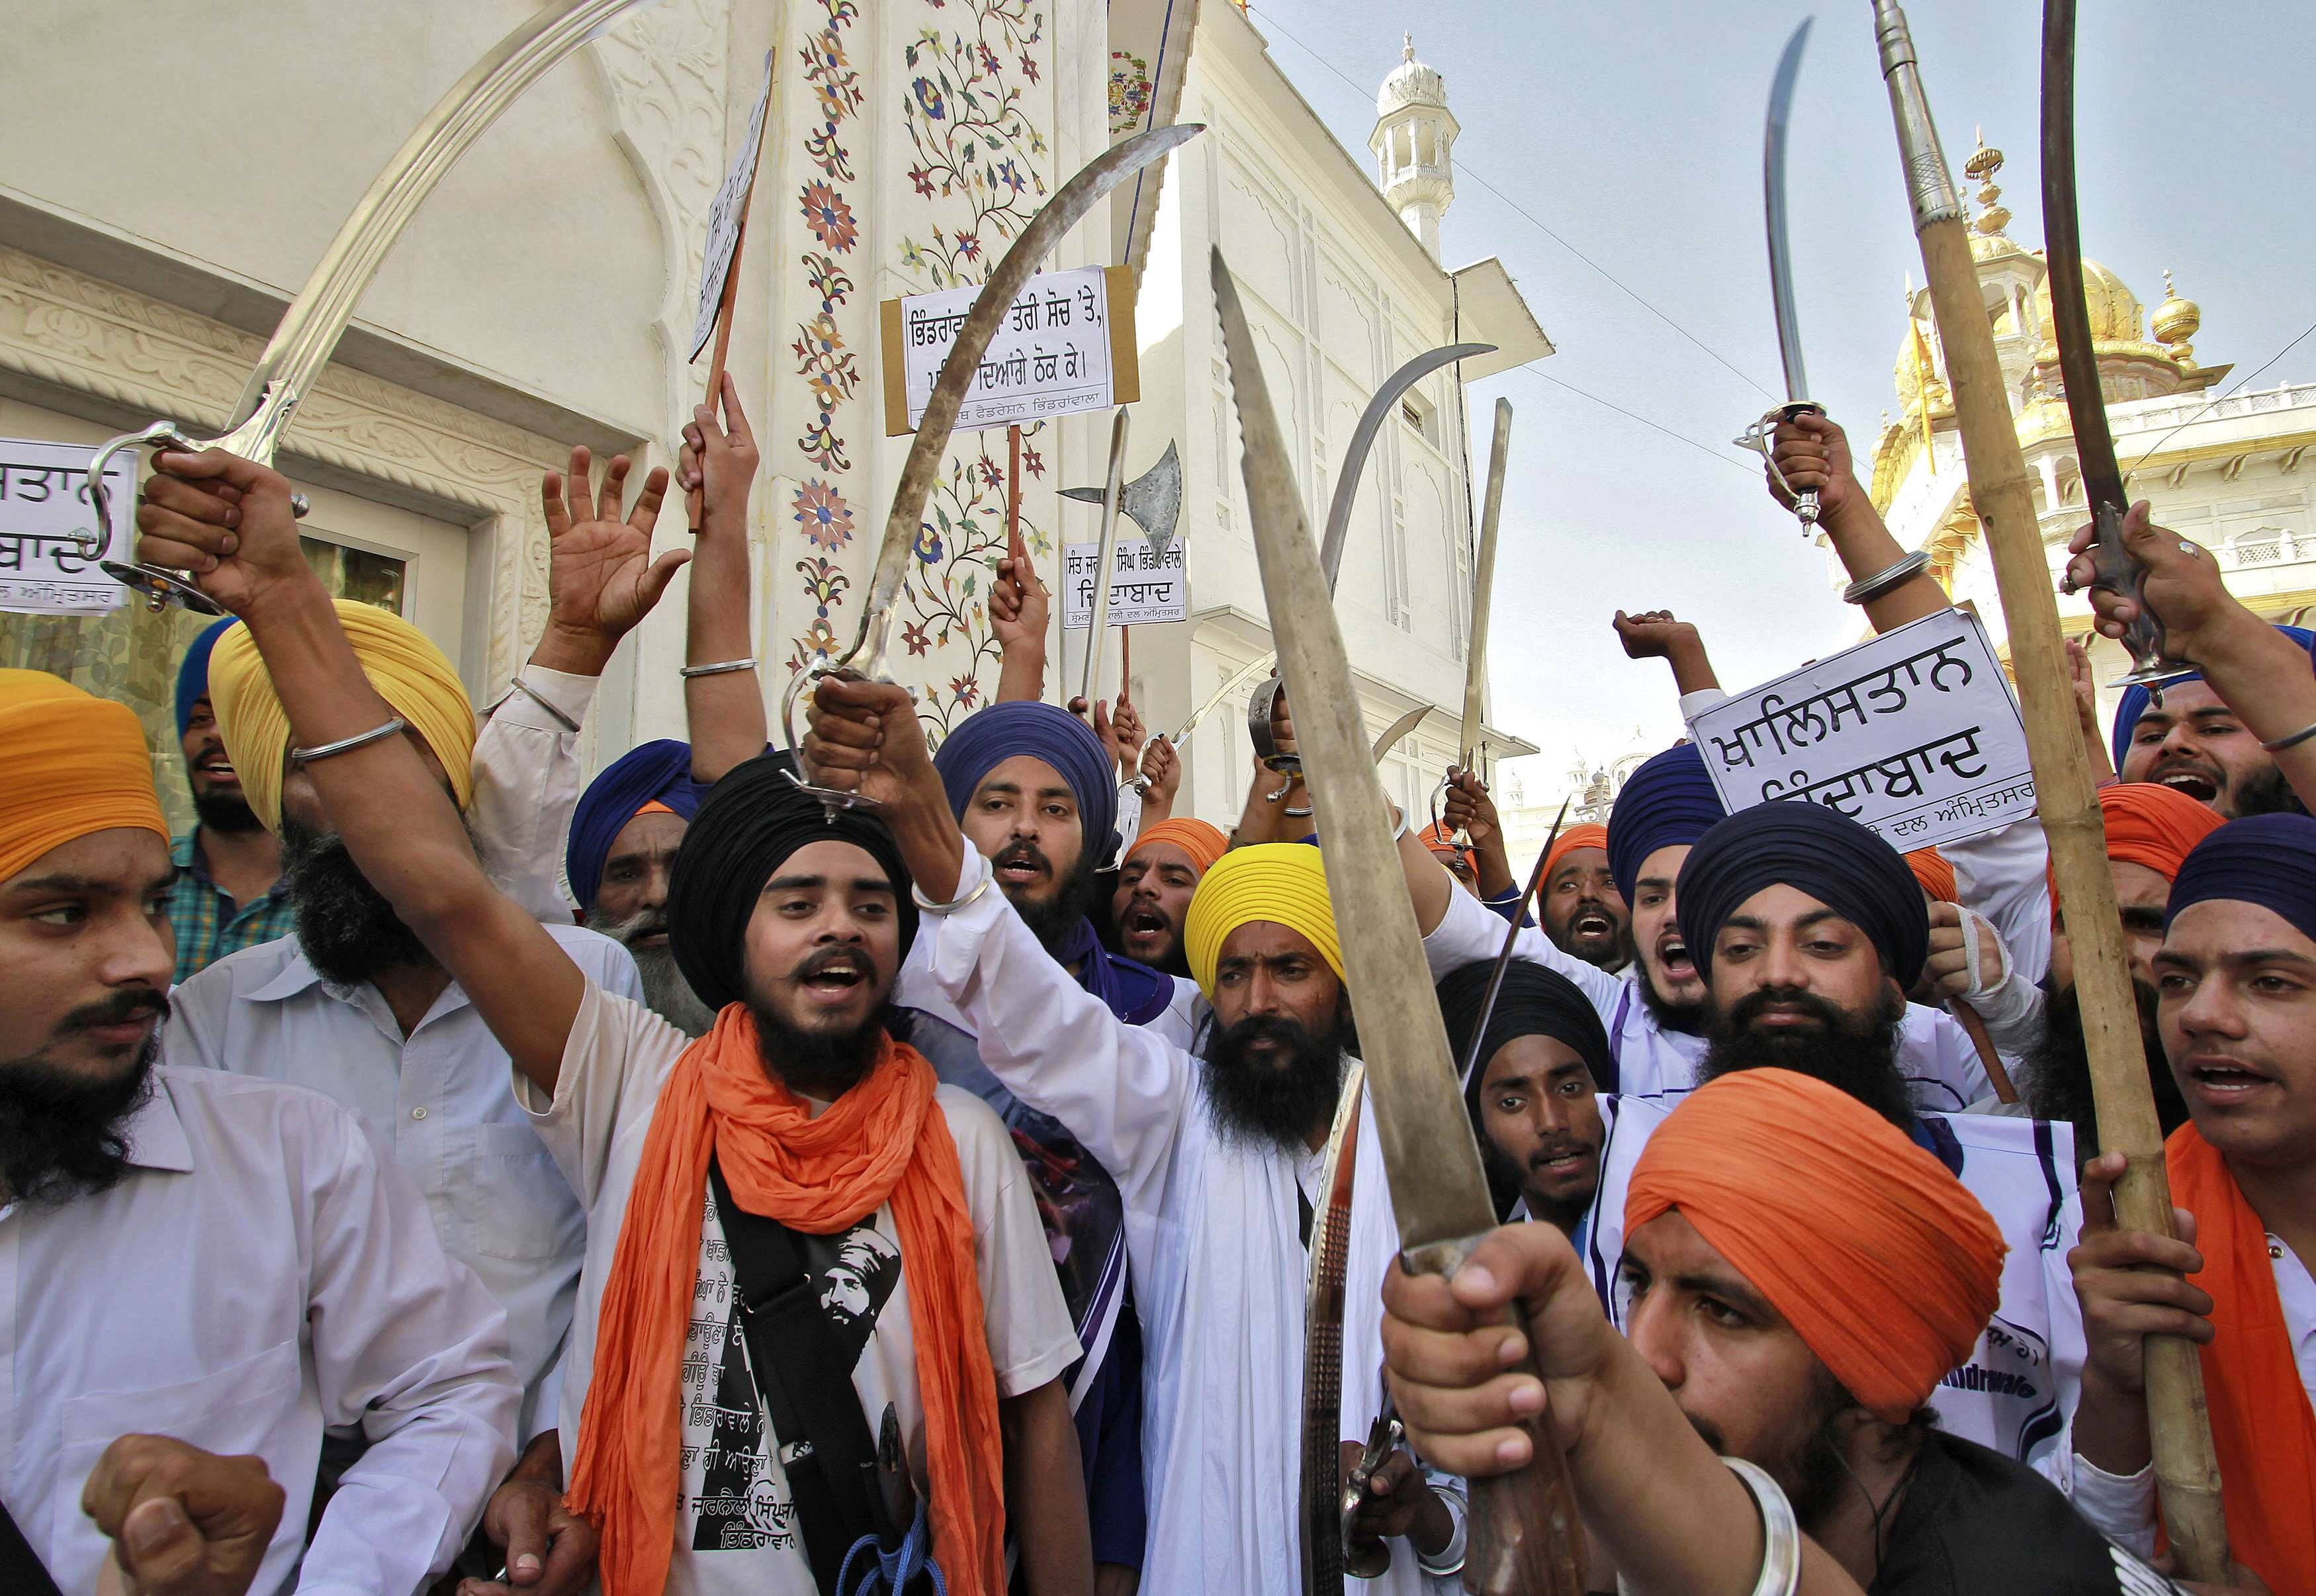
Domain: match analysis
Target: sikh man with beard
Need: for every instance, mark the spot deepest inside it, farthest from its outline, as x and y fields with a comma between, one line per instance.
x=1807, y=927
x=1533, y=1103
x=624, y=836
x=1657, y=1011
x=228, y=894
x=1217, y=1157
x=194, y=1254
x=798, y=1108
x=1584, y=915
x=2197, y=746
x=1156, y=881
x=1798, y=1279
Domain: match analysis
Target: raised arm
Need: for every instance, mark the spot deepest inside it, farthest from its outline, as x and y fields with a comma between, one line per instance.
x=1468, y=808
x=1812, y=451
x=724, y=710
x=1018, y=610
x=396, y=820
x=1654, y=634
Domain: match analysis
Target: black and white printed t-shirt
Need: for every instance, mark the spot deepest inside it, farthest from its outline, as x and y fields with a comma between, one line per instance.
x=736, y=1530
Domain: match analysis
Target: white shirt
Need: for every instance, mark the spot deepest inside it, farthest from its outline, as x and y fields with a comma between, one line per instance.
x=257, y=1276
x=527, y=787
x=2016, y=1388
x=735, y=1527
x=1934, y=1052
x=437, y=1099
x=2003, y=875
x=1213, y=1229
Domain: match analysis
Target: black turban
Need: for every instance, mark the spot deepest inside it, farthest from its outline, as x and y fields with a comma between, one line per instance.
x=1813, y=850
x=1535, y=1001
x=752, y=820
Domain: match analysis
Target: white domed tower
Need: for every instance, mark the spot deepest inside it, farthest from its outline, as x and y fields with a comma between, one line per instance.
x=1414, y=141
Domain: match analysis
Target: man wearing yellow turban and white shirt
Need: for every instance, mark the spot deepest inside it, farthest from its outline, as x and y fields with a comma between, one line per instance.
x=1217, y=1157
x=353, y=1006
x=198, y=1255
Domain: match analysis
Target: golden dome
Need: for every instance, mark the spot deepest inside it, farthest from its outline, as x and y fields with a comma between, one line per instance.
x=2114, y=308
x=2175, y=322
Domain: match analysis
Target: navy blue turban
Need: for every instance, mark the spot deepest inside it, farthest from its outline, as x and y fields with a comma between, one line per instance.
x=2268, y=859
x=748, y=826
x=2135, y=698
x=1668, y=802
x=193, y=672
x=650, y=772
x=988, y=738
x=1814, y=850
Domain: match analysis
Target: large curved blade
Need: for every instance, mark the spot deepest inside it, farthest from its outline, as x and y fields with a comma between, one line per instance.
x=1773, y=202
x=1070, y=201
x=2070, y=322
x=1398, y=729
x=1363, y=437
x=1228, y=692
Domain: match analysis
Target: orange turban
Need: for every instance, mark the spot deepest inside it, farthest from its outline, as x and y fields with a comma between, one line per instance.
x=1884, y=1266
x=410, y=673
x=1587, y=835
x=1440, y=838
x=1203, y=842
x=76, y=764
x=2151, y=825
x=1935, y=875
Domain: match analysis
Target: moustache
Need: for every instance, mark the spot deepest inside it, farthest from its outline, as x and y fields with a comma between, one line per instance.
x=1753, y=1004
x=123, y=1008
x=1023, y=852
x=856, y=960
x=1560, y=1147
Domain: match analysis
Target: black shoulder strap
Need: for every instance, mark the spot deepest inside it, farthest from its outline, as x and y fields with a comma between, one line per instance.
x=21, y=1571
x=818, y=1426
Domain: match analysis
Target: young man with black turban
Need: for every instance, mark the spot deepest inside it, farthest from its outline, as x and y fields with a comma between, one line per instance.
x=798, y=1144
x=1532, y=1094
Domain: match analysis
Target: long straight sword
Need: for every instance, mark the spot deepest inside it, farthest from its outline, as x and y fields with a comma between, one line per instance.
x=1523, y=1530
x=1112, y=487
x=1761, y=435
x=1470, y=750
x=301, y=346
x=1511, y=938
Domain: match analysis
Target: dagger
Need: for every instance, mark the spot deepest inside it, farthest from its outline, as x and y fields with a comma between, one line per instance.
x=1321, y=1521
x=1523, y=1527
x=869, y=657
x=1761, y=437
x=2071, y=327
x=300, y=347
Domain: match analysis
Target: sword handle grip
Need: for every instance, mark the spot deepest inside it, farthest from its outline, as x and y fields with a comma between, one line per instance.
x=2114, y=570
x=1524, y=1536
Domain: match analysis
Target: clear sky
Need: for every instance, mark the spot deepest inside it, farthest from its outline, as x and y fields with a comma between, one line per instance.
x=1633, y=132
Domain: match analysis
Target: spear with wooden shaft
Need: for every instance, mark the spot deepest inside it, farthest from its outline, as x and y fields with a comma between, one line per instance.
x=2186, y=1471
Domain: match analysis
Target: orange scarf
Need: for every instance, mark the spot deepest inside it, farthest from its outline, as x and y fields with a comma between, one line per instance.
x=2262, y=1425
x=882, y=1141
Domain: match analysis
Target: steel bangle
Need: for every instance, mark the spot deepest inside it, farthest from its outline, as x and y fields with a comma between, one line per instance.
x=1781, y=1536
x=720, y=668
x=377, y=734
x=1866, y=589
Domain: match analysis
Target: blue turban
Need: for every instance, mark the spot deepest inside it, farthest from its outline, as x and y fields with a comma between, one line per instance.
x=194, y=672
x=988, y=738
x=2268, y=859
x=1669, y=801
x=649, y=772
x=1814, y=850
x=2135, y=698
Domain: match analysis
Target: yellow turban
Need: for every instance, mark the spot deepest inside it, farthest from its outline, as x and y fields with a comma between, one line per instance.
x=409, y=672
x=1283, y=883
x=76, y=764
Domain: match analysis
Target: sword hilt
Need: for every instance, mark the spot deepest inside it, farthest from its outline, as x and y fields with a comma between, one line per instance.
x=831, y=798
x=162, y=586
x=2114, y=570
x=1761, y=439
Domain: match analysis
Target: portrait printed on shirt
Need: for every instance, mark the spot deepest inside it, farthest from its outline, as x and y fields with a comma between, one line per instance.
x=737, y=1493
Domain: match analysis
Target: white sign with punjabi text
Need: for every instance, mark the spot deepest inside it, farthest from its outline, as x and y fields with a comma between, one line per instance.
x=727, y=213
x=1913, y=733
x=1049, y=357
x=45, y=511
x=1145, y=588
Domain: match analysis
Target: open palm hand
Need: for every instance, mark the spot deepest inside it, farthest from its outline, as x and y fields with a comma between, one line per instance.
x=602, y=578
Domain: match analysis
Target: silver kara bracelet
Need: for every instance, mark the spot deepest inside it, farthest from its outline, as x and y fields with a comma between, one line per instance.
x=377, y=734
x=986, y=875
x=719, y=668
x=516, y=684
x=1781, y=1536
x=2293, y=740
x=1866, y=589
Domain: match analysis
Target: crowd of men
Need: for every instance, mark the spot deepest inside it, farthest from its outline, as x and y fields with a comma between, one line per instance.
x=434, y=1172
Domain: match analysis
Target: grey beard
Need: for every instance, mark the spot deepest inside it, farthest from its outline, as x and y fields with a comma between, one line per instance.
x=666, y=991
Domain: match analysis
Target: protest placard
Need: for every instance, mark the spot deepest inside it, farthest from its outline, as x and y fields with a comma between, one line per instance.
x=45, y=512
x=1065, y=345
x=728, y=214
x=1914, y=733
x=1145, y=587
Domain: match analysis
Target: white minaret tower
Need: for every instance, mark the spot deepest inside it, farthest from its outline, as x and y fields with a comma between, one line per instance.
x=1414, y=140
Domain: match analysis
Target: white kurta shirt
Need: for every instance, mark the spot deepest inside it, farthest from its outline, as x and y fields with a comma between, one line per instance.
x=1214, y=1231
x=257, y=1276
x=1934, y=1053
x=437, y=1098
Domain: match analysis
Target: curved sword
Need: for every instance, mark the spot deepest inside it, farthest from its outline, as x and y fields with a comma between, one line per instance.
x=2070, y=327
x=868, y=655
x=1398, y=729
x=1363, y=437
x=301, y=346
x=1229, y=689
x=1760, y=436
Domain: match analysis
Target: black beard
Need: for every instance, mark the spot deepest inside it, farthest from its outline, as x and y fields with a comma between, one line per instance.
x=346, y=929
x=226, y=814
x=1688, y=1019
x=820, y=1065
x=1814, y=1475
x=1054, y=921
x=2267, y=792
x=2058, y=1084
x=1271, y=1105
x=61, y=1131
x=1857, y=1054
x=666, y=991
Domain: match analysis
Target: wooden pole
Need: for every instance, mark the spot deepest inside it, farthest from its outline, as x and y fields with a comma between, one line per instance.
x=2187, y=1470
x=1014, y=551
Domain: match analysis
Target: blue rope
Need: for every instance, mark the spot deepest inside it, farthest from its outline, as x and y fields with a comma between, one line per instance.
x=888, y=1574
